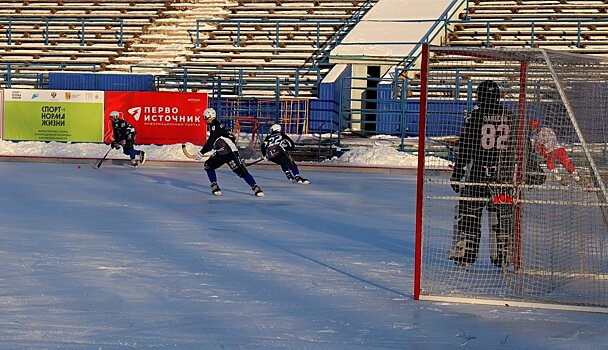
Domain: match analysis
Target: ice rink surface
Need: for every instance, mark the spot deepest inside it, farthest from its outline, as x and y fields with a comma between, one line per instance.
x=147, y=258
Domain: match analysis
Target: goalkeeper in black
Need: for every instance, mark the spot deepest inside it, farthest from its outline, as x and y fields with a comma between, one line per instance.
x=487, y=153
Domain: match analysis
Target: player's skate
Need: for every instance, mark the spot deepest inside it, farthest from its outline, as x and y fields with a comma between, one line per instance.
x=457, y=254
x=134, y=163
x=557, y=177
x=290, y=176
x=215, y=189
x=302, y=180
x=142, y=157
x=504, y=256
x=257, y=191
x=501, y=260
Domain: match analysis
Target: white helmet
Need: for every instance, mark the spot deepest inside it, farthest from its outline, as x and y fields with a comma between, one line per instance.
x=114, y=115
x=209, y=114
x=275, y=128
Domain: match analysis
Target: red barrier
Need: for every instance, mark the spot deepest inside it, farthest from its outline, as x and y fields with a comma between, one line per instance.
x=161, y=118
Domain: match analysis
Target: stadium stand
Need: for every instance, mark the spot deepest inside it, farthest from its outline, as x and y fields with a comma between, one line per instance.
x=579, y=26
x=68, y=35
x=573, y=26
x=254, y=47
x=267, y=43
x=169, y=37
x=281, y=35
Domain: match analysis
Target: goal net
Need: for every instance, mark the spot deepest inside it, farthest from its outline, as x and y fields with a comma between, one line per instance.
x=520, y=214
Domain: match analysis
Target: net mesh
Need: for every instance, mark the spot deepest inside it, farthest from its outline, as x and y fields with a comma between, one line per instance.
x=529, y=220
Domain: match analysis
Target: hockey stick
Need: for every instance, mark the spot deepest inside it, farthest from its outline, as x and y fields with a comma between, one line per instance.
x=186, y=153
x=254, y=162
x=98, y=165
x=192, y=156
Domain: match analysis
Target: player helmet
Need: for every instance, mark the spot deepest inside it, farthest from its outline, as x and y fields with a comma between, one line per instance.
x=209, y=114
x=488, y=92
x=534, y=124
x=275, y=128
x=114, y=115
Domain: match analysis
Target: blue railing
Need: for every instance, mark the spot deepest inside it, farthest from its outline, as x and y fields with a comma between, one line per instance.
x=47, y=32
x=320, y=56
x=277, y=27
x=229, y=81
x=10, y=75
x=450, y=17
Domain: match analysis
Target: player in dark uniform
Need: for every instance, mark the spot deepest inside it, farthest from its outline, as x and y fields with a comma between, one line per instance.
x=223, y=150
x=488, y=154
x=124, y=136
x=276, y=149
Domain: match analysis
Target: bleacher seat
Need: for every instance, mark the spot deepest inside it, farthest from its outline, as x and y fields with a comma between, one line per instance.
x=41, y=34
x=126, y=34
x=556, y=24
x=281, y=34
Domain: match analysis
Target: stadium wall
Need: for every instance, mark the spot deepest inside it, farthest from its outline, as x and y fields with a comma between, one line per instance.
x=325, y=110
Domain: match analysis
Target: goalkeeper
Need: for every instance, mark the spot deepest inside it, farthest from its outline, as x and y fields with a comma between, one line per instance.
x=487, y=148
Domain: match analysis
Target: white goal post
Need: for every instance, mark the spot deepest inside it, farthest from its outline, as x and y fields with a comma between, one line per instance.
x=544, y=223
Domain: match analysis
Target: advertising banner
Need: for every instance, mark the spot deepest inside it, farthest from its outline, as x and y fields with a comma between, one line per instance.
x=53, y=115
x=160, y=118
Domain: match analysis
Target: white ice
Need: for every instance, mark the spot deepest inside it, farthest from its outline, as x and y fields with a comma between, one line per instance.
x=147, y=258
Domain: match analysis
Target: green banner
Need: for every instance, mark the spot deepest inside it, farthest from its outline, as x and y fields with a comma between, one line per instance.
x=63, y=121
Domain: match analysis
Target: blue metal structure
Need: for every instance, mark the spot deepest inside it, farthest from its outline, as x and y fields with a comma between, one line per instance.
x=101, y=81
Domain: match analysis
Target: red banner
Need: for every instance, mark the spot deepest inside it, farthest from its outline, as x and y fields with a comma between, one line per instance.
x=160, y=118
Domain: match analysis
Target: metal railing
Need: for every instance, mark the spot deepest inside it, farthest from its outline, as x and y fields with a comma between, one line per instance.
x=11, y=75
x=442, y=26
x=320, y=56
x=276, y=28
x=231, y=82
x=48, y=32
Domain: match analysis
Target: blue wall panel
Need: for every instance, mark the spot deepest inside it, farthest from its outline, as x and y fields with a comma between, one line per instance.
x=444, y=117
x=325, y=111
x=101, y=82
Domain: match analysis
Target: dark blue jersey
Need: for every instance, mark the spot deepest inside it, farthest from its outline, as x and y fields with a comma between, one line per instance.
x=275, y=143
x=219, y=139
x=123, y=131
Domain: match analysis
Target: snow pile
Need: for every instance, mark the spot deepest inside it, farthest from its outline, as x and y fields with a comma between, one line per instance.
x=370, y=154
x=378, y=155
x=84, y=150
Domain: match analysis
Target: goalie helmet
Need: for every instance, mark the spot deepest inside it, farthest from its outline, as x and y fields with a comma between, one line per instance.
x=275, y=128
x=114, y=115
x=488, y=92
x=209, y=114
